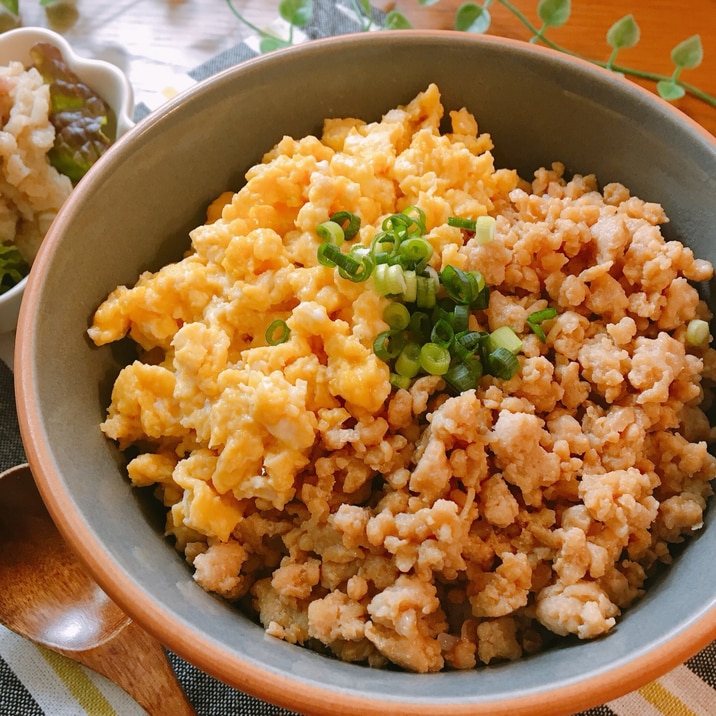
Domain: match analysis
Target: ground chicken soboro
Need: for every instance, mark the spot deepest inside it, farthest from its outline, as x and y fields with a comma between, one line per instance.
x=414, y=526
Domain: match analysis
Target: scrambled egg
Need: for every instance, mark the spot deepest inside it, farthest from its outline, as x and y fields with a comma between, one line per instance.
x=413, y=526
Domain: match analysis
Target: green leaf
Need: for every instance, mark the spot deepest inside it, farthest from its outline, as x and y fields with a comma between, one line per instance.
x=427, y=3
x=365, y=4
x=12, y=267
x=689, y=53
x=395, y=20
x=623, y=33
x=11, y=6
x=554, y=13
x=269, y=44
x=296, y=12
x=472, y=18
x=669, y=90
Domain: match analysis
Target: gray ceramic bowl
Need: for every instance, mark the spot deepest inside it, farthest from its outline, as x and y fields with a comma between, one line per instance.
x=134, y=214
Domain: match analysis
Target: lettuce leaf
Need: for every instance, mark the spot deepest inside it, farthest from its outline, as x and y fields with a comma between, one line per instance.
x=12, y=267
x=84, y=123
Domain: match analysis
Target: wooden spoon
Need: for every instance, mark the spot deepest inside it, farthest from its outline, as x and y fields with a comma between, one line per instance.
x=47, y=596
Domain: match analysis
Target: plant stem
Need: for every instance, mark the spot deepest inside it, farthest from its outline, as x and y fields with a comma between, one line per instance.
x=246, y=22
x=632, y=72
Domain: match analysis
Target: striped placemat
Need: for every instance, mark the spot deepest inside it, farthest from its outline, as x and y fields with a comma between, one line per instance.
x=35, y=681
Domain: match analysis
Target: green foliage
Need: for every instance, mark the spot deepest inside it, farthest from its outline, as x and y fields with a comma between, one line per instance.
x=12, y=267
x=11, y=6
x=472, y=18
x=623, y=33
x=397, y=21
x=554, y=13
x=689, y=53
x=475, y=17
x=296, y=12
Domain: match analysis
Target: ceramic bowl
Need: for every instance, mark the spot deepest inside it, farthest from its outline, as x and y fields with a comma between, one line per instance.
x=134, y=213
x=104, y=78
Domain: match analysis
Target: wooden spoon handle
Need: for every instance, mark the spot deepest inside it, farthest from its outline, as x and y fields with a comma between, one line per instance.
x=137, y=663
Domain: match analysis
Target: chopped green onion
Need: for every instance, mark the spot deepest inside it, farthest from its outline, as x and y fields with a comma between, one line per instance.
x=434, y=359
x=461, y=223
x=331, y=232
x=277, y=332
x=388, y=345
x=396, y=315
x=442, y=333
x=349, y=223
x=389, y=280
x=698, y=333
x=400, y=381
x=426, y=291
x=408, y=362
x=410, y=294
x=420, y=325
x=386, y=244
x=417, y=215
x=417, y=251
x=485, y=228
x=534, y=321
x=482, y=300
x=505, y=337
x=365, y=265
x=502, y=363
x=460, y=317
x=462, y=286
x=467, y=343
x=464, y=376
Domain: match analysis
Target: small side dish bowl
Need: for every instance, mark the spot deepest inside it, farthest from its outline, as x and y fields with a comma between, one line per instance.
x=107, y=80
x=134, y=212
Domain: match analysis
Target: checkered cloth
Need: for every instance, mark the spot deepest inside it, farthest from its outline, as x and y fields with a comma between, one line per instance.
x=35, y=681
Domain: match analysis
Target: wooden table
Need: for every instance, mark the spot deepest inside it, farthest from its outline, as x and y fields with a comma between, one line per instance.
x=663, y=24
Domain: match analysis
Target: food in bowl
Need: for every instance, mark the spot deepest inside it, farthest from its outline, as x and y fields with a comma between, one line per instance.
x=54, y=128
x=406, y=519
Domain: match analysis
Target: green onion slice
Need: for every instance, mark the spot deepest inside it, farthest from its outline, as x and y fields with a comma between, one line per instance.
x=460, y=319
x=535, y=319
x=464, y=376
x=400, y=381
x=363, y=270
x=416, y=251
x=331, y=232
x=434, y=358
x=485, y=228
x=461, y=223
x=462, y=286
x=389, y=279
x=408, y=362
x=698, y=333
x=420, y=325
x=426, y=290
x=388, y=345
x=503, y=363
x=277, y=332
x=505, y=337
x=349, y=223
x=442, y=333
x=396, y=315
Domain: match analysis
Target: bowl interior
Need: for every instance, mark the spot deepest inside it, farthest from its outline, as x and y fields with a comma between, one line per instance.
x=135, y=213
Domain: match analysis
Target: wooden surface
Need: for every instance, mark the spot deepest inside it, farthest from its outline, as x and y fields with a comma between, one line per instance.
x=663, y=24
x=47, y=596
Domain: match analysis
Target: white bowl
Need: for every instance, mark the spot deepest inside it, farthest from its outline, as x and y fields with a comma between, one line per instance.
x=104, y=78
